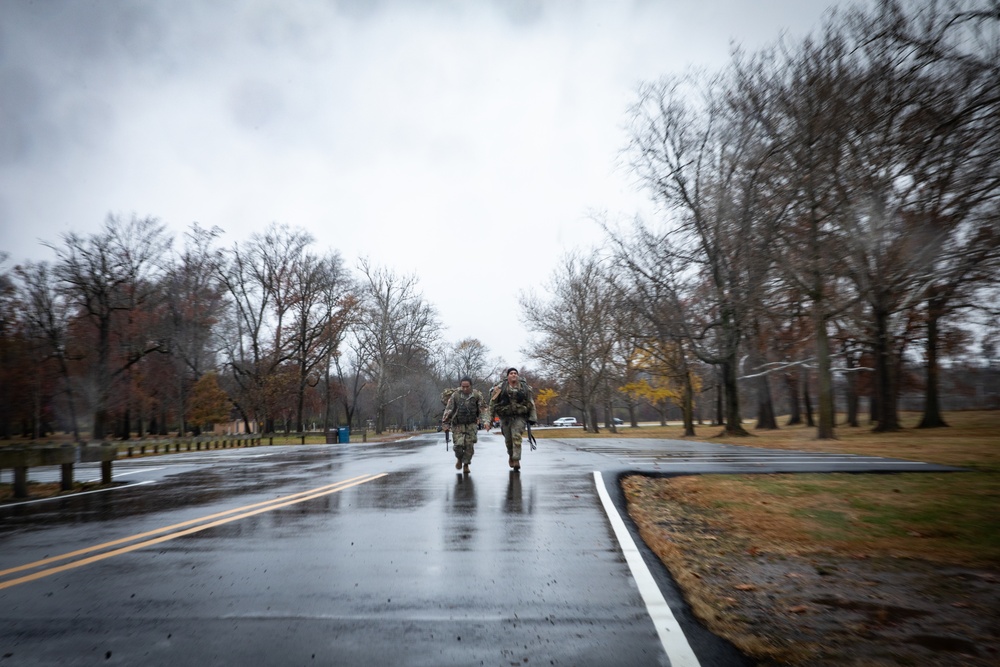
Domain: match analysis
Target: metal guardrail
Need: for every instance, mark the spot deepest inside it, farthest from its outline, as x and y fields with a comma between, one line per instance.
x=21, y=458
x=33, y=456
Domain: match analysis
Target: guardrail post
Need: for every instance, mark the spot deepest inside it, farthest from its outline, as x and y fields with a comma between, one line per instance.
x=20, y=481
x=107, y=455
x=68, y=455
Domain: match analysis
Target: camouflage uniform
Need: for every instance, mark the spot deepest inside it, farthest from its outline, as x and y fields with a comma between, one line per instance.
x=515, y=407
x=462, y=414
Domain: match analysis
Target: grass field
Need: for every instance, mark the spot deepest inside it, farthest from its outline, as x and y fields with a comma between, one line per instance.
x=947, y=516
x=839, y=569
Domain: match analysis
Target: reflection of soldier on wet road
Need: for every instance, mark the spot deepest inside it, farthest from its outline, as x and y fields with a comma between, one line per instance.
x=513, y=502
x=462, y=507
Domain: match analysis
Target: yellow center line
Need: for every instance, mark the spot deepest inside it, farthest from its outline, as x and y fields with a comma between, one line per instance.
x=270, y=505
x=139, y=536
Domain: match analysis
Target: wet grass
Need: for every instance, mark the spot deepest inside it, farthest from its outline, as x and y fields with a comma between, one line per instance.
x=944, y=517
x=949, y=517
x=971, y=441
x=710, y=530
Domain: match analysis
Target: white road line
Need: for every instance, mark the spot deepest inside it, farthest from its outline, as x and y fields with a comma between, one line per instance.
x=73, y=495
x=137, y=470
x=674, y=642
x=129, y=472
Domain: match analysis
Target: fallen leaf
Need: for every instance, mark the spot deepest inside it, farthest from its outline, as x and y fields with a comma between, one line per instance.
x=745, y=587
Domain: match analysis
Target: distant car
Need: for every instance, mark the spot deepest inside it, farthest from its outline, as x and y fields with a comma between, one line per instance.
x=565, y=421
x=618, y=422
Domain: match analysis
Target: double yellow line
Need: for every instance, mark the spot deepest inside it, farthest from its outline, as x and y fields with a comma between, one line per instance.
x=197, y=525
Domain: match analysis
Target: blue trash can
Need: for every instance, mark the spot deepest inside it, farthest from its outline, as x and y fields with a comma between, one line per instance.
x=345, y=433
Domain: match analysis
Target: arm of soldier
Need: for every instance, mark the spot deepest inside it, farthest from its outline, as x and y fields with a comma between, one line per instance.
x=532, y=412
x=494, y=395
x=485, y=415
x=449, y=411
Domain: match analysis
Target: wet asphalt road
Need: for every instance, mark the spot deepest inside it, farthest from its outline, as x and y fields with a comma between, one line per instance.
x=362, y=554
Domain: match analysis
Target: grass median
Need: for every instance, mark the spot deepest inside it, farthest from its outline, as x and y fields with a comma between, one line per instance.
x=837, y=569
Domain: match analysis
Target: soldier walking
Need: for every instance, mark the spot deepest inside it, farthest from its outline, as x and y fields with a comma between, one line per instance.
x=465, y=410
x=511, y=400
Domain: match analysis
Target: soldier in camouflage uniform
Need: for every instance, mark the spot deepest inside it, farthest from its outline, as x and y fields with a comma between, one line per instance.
x=511, y=400
x=465, y=410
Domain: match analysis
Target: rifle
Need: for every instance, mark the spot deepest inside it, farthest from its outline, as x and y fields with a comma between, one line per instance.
x=447, y=437
x=531, y=438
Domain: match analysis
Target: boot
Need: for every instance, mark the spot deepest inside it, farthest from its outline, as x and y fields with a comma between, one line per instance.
x=465, y=468
x=510, y=461
x=458, y=464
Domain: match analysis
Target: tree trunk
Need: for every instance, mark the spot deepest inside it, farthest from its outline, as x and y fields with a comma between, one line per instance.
x=125, y=426
x=794, y=406
x=327, y=400
x=851, y=390
x=873, y=408
x=807, y=402
x=825, y=428
x=765, y=405
x=932, y=406
x=734, y=420
x=103, y=392
x=687, y=405
x=70, y=402
x=163, y=418
x=885, y=389
x=720, y=418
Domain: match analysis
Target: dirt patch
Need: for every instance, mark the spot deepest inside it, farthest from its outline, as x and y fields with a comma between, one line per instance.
x=792, y=604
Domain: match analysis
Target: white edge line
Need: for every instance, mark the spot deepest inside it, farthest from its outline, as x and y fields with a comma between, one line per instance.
x=136, y=471
x=672, y=637
x=74, y=495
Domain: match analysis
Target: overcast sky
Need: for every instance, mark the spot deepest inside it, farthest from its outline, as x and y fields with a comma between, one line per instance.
x=457, y=140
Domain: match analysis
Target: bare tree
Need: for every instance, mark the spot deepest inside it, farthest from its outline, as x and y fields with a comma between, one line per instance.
x=47, y=314
x=395, y=328
x=922, y=162
x=259, y=279
x=11, y=349
x=469, y=358
x=577, y=334
x=711, y=168
x=321, y=298
x=800, y=101
x=195, y=300
x=110, y=277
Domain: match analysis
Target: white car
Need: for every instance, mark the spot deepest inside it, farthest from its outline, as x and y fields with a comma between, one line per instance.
x=565, y=421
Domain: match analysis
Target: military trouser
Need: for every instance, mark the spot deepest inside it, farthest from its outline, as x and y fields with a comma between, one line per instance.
x=464, y=436
x=513, y=429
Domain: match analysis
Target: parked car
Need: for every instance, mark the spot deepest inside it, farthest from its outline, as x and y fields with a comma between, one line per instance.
x=565, y=421
x=618, y=422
